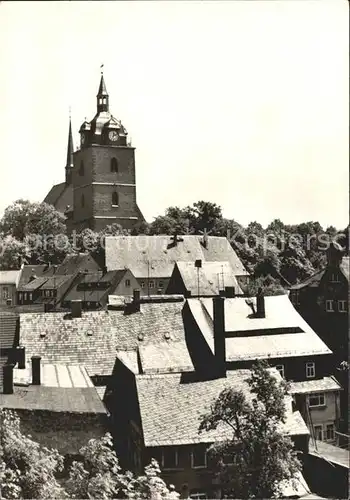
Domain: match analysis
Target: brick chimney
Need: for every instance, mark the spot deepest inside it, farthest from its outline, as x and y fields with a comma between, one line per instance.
x=219, y=334
x=36, y=370
x=8, y=378
x=136, y=299
x=21, y=357
x=230, y=292
x=76, y=307
x=260, y=304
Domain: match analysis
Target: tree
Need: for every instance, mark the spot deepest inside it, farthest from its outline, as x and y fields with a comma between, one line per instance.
x=13, y=253
x=262, y=454
x=24, y=218
x=268, y=284
x=28, y=470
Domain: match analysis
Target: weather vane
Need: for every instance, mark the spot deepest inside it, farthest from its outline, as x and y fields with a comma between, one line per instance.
x=101, y=67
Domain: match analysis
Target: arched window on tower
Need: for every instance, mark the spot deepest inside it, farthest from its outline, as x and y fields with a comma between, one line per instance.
x=115, y=199
x=81, y=168
x=82, y=200
x=114, y=165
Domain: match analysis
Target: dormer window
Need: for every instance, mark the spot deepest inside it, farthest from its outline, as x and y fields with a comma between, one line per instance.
x=114, y=165
x=335, y=278
x=115, y=199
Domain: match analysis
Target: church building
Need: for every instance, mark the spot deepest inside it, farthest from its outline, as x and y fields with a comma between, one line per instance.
x=100, y=185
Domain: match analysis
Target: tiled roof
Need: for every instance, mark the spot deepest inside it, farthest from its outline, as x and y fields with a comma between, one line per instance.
x=211, y=277
x=54, y=399
x=75, y=262
x=316, y=385
x=261, y=342
x=10, y=277
x=154, y=256
x=55, y=282
x=28, y=271
x=313, y=281
x=60, y=196
x=171, y=409
x=331, y=453
x=93, y=339
x=8, y=329
x=161, y=358
x=95, y=294
x=33, y=285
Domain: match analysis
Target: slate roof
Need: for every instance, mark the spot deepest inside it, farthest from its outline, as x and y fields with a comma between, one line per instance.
x=161, y=358
x=282, y=333
x=60, y=196
x=74, y=262
x=95, y=294
x=93, y=339
x=315, y=279
x=324, y=384
x=55, y=375
x=331, y=453
x=154, y=256
x=8, y=329
x=212, y=276
x=33, y=285
x=171, y=409
x=10, y=277
x=27, y=271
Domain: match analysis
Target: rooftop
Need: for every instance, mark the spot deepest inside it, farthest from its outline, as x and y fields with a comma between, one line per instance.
x=10, y=277
x=154, y=256
x=94, y=339
x=282, y=333
x=171, y=408
x=209, y=279
x=316, y=385
x=63, y=389
x=8, y=329
x=330, y=453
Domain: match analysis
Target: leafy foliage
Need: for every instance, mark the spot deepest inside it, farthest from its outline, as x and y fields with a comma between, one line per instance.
x=262, y=454
x=28, y=470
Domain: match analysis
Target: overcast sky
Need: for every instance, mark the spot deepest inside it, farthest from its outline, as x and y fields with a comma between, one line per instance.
x=241, y=103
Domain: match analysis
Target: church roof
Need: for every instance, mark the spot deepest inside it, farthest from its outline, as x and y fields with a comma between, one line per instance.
x=60, y=195
x=102, y=88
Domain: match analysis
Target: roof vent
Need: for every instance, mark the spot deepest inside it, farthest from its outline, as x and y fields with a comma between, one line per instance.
x=90, y=333
x=167, y=336
x=43, y=334
x=140, y=337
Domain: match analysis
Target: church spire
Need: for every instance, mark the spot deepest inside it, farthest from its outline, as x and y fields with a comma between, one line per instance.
x=102, y=96
x=70, y=150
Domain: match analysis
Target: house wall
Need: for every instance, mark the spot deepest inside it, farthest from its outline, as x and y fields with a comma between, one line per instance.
x=123, y=288
x=8, y=292
x=326, y=479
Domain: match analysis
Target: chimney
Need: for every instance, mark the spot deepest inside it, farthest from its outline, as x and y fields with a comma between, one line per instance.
x=136, y=300
x=175, y=239
x=260, y=304
x=104, y=270
x=36, y=372
x=222, y=293
x=21, y=357
x=205, y=239
x=76, y=307
x=219, y=334
x=8, y=378
x=198, y=263
x=230, y=292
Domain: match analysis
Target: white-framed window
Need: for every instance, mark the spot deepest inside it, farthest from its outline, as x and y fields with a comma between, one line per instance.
x=5, y=293
x=310, y=369
x=20, y=296
x=142, y=284
x=295, y=298
x=329, y=433
x=335, y=278
x=198, y=457
x=170, y=458
x=329, y=306
x=280, y=369
x=151, y=284
x=342, y=306
x=30, y=296
x=317, y=399
x=318, y=430
x=25, y=295
x=127, y=283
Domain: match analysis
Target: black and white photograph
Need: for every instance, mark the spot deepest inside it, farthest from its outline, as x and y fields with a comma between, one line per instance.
x=174, y=249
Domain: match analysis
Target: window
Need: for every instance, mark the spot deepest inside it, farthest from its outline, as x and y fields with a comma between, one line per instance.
x=143, y=284
x=115, y=199
x=329, y=306
x=342, y=306
x=198, y=496
x=318, y=432
x=329, y=432
x=30, y=296
x=161, y=284
x=310, y=370
x=127, y=283
x=114, y=165
x=82, y=200
x=198, y=457
x=20, y=296
x=170, y=458
x=151, y=284
x=317, y=399
x=295, y=298
x=5, y=293
x=25, y=295
x=81, y=168
x=335, y=278
x=280, y=369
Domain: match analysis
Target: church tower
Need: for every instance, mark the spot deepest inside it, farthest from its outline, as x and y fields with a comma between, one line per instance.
x=104, y=181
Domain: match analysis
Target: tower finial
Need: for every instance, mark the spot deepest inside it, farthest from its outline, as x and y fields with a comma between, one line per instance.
x=101, y=67
x=70, y=112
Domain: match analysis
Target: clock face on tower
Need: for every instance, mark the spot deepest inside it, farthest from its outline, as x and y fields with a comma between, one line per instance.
x=113, y=135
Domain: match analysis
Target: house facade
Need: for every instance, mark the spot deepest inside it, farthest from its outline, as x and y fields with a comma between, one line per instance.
x=9, y=281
